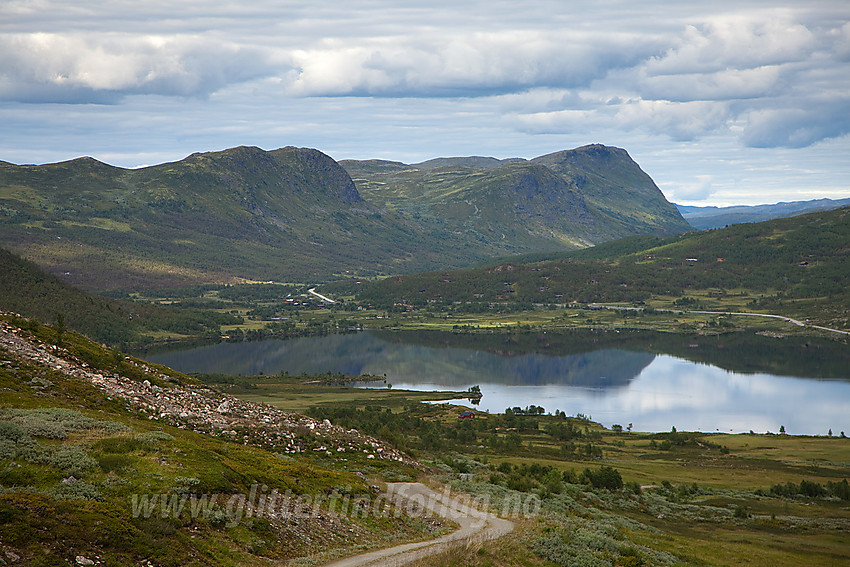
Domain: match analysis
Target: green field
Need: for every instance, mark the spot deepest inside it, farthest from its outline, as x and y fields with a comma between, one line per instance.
x=296, y=393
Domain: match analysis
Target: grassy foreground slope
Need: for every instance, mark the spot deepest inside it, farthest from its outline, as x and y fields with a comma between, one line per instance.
x=98, y=450
x=124, y=463
x=796, y=267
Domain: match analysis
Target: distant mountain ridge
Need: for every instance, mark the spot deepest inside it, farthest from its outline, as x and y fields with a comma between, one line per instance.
x=477, y=162
x=717, y=217
x=573, y=198
x=295, y=214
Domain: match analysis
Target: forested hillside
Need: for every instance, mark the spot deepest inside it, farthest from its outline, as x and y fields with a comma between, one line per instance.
x=799, y=258
x=30, y=292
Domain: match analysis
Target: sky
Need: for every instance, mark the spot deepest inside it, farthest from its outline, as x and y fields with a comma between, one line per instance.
x=721, y=102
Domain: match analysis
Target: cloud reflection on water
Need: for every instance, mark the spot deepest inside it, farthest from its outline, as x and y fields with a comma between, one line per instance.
x=612, y=385
x=675, y=392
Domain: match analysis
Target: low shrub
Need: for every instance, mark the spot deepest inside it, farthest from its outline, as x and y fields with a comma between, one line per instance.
x=153, y=437
x=810, y=489
x=69, y=458
x=78, y=490
x=56, y=423
x=11, y=432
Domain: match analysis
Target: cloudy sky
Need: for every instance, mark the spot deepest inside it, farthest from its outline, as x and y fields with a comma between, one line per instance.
x=721, y=102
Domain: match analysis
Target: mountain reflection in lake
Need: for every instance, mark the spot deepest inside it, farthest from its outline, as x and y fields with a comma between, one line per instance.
x=652, y=380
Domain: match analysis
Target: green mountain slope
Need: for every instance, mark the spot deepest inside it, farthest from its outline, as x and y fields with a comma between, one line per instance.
x=296, y=214
x=615, y=185
x=570, y=199
x=240, y=213
x=794, y=265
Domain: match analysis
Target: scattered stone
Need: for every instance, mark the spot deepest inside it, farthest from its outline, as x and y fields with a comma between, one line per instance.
x=83, y=560
x=202, y=409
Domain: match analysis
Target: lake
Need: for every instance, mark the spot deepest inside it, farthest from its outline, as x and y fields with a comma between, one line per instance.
x=730, y=383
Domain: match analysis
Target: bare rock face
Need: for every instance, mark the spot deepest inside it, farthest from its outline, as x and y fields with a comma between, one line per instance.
x=317, y=169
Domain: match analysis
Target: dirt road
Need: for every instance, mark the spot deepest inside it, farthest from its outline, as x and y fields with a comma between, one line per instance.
x=745, y=314
x=475, y=525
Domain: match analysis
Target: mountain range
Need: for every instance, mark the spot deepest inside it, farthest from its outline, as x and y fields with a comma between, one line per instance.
x=295, y=214
x=717, y=217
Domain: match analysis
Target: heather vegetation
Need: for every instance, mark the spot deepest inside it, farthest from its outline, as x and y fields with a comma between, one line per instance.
x=617, y=497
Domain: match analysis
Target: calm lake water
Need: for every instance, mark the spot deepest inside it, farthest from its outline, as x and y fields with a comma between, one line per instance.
x=730, y=383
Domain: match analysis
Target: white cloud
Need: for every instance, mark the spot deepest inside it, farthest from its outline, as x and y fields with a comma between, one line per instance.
x=800, y=126
x=727, y=84
x=76, y=68
x=698, y=189
x=679, y=120
x=471, y=64
x=736, y=41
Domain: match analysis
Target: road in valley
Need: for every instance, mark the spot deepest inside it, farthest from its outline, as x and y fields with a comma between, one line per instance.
x=319, y=295
x=475, y=525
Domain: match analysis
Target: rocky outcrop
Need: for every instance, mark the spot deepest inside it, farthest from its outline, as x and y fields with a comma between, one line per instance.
x=200, y=408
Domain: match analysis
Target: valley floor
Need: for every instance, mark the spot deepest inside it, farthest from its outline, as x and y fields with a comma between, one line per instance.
x=84, y=428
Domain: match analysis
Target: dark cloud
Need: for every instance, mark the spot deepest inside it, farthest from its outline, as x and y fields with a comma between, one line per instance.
x=682, y=75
